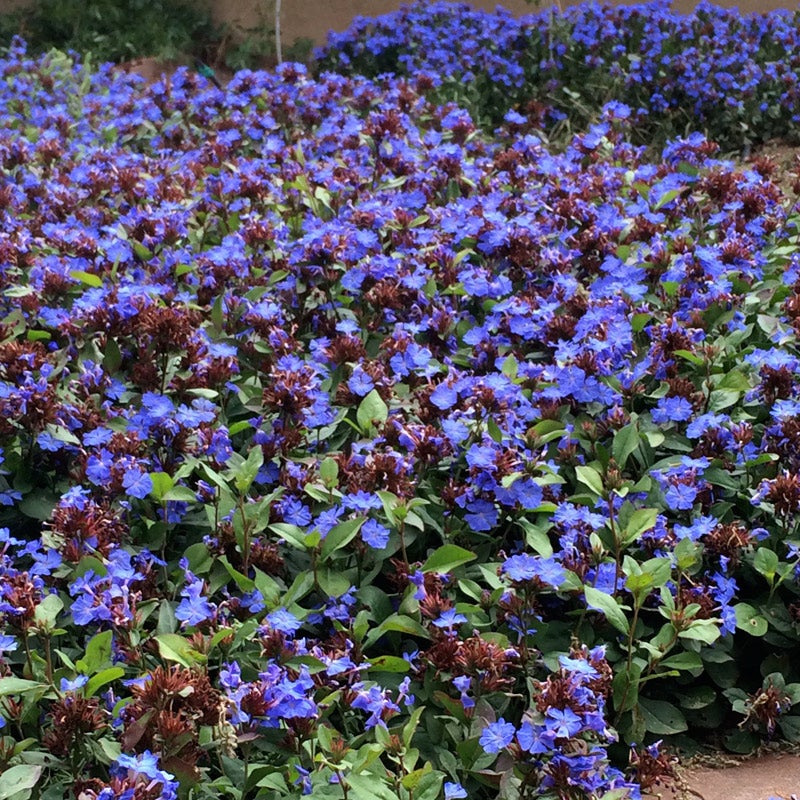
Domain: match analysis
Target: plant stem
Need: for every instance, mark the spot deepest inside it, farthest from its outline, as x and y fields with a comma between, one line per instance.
x=48, y=658
x=401, y=527
x=278, y=48
x=28, y=659
x=617, y=545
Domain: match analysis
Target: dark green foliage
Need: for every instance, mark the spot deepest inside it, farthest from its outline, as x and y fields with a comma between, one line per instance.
x=112, y=30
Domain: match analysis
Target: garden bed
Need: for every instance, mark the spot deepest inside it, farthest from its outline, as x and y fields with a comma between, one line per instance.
x=353, y=449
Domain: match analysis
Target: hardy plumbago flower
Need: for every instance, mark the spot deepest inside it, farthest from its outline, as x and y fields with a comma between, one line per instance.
x=497, y=736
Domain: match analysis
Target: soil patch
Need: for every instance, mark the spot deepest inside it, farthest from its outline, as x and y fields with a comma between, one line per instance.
x=773, y=776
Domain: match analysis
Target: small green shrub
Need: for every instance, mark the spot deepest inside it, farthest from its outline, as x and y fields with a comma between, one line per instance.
x=113, y=31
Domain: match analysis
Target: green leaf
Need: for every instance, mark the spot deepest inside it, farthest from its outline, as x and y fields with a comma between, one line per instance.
x=600, y=601
x=219, y=636
x=21, y=778
x=626, y=688
x=626, y=442
x=242, y=581
x=314, y=664
x=447, y=558
x=536, y=538
x=399, y=623
x=641, y=520
x=493, y=429
x=697, y=697
x=98, y=654
x=721, y=477
x=510, y=366
x=409, y=729
x=369, y=787
x=273, y=780
x=246, y=473
x=38, y=506
x=162, y=483
x=735, y=380
x=112, y=356
x=371, y=410
x=111, y=751
x=687, y=553
x=658, y=569
x=14, y=685
x=667, y=197
x=723, y=398
x=750, y=620
x=290, y=534
x=199, y=558
x=702, y=630
x=639, y=321
x=389, y=664
x=686, y=355
x=167, y=622
x=329, y=472
x=340, y=535
x=333, y=582
x=268, y=587
x=686, y=660
x=742, y=741
x=87, y=278
x=142, y=252
x=412, y=779
x=766, y=562
x=640, y=585
x=180, y=494
x=591, y=478
x=430, y=785
x=661, y=717
x=790, y=727
x=102, y=678
x=46, y=613
x=173, y=647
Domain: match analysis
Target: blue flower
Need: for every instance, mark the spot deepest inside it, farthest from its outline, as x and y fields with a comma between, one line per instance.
x=374, y=534
x=454, y=791
x=680, y=496
x=562, y=722
x=444, y=396
x=303, y=779
x=535, y=739
x=672, y=409
x=137, y=483
x=482, y=515
x=283, y=621
x=361, y=501
x=449, y=618
x=360, y=382
x=195, y=607
x=73, y=685
x=497, y=736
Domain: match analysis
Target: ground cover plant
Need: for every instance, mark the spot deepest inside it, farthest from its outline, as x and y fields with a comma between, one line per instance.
x=733, y=77
x=351, y=451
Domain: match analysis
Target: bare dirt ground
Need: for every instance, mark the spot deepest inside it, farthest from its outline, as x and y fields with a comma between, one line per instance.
x=723, y=777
